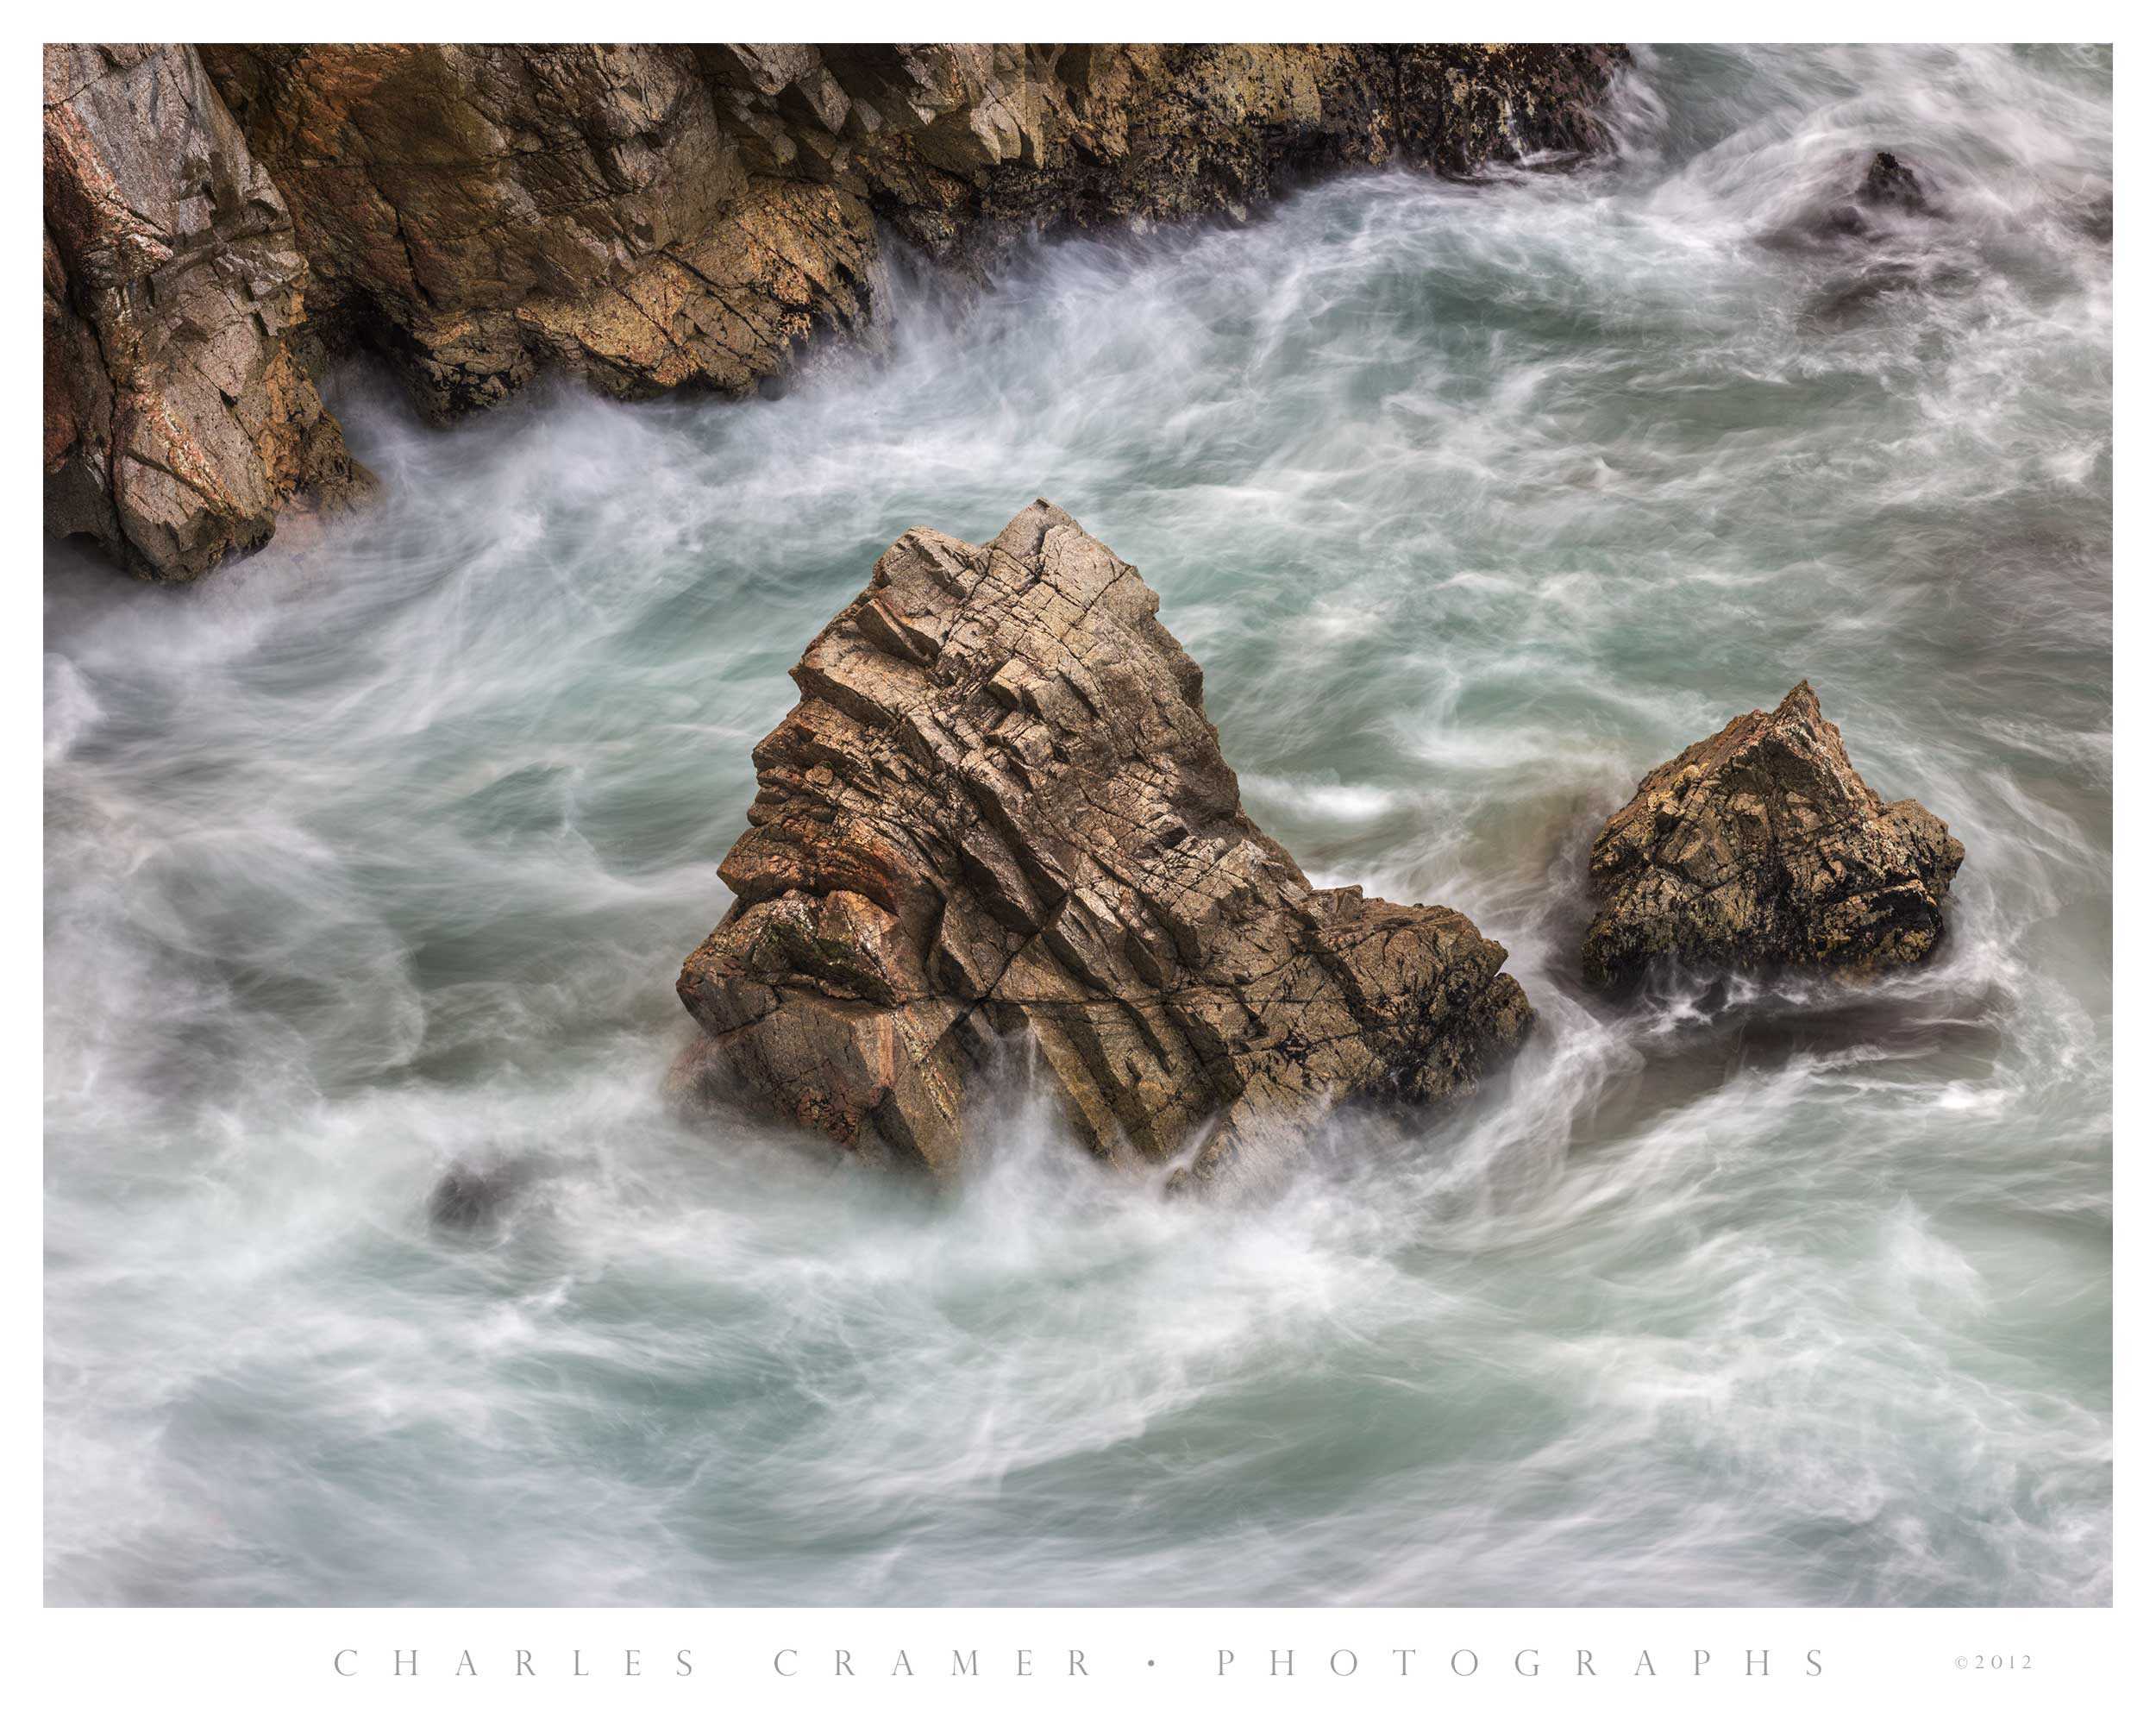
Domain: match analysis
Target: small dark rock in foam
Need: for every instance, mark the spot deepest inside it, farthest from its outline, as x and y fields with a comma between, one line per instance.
x=1888, y=188
x=469, y=1196
x=1890, y=184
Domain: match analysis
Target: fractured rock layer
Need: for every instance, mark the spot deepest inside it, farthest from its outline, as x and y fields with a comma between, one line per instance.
x=998, y=813
x=1762, y=848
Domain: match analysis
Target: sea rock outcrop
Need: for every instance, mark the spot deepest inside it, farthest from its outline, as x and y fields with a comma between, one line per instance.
x=654, y=217
x=1885, y=201
x=179, y=414
x=998, y=817
x=473, y=1193
x=1890, y=183
x=1762, y=848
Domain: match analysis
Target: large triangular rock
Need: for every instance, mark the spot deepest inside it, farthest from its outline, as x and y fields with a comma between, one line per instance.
x=1762, y=848
x=1000, y=816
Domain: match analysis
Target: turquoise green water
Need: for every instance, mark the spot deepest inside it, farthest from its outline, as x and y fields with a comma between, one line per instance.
x=1474, y=502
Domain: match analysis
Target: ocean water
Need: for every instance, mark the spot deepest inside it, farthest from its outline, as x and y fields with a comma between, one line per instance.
x=378, y=853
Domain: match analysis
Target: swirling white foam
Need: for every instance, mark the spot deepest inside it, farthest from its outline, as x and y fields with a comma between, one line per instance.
x=378, y=852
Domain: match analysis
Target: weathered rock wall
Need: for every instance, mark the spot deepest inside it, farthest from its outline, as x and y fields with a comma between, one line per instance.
x=651, y=216
x=179, y=415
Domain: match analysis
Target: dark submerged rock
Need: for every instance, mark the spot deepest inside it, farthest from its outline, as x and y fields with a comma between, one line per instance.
x=1889, y=183
x=469, y=1197
x=999, y=818
x=1886, y=197
x=1762, y=848
x=2090, y=215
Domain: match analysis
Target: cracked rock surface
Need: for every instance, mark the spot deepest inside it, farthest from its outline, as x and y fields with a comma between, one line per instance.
x=1762, y=848
x=180, y=416
x=999, y=816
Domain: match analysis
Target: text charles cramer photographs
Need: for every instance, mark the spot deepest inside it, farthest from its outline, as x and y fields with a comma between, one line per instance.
x=1246, y=1662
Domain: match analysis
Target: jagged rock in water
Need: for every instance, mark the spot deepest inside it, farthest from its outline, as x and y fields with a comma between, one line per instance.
x=1855, y=220
x=179, y=416
x=1889, y=184
x=998, y=813
x=1762, y=848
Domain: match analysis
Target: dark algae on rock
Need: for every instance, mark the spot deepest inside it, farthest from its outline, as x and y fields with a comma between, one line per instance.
x=999, y=815
x=1763, y=849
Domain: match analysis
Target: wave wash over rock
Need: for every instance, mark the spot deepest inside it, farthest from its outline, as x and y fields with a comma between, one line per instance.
x=998, y=812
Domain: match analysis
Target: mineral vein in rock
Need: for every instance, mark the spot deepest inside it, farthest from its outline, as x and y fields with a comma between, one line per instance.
x=998, y=814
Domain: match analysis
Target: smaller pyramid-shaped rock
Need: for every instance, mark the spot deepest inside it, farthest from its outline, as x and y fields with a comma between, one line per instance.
x=1762, y=848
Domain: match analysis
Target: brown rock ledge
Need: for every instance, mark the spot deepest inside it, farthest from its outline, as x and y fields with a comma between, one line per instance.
x=648, y=216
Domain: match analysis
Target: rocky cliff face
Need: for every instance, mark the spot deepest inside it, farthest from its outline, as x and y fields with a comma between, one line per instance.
x=649, y=217
x=1762, y=848
x=179, y=415
x=481, y=213
x=998, y=817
